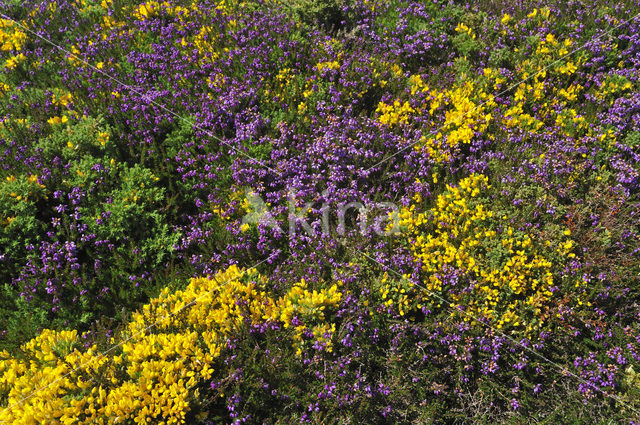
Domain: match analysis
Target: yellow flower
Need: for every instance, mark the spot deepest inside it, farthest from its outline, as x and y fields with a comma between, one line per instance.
x=461, y=27
x=13, y=61
x=449, y=237
x=396, y=113
x=328, y=65
x=154, y=374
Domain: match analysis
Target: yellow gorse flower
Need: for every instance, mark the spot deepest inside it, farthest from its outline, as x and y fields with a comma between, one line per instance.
x=11, y=36
x=395, y=113
x=13, y=61
x=463, y=29
x=454, y=236
x=169, y=347
x=465, y=114
x=328, y=65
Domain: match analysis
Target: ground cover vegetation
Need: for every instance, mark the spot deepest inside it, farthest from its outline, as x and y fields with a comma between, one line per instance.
x=319, y=211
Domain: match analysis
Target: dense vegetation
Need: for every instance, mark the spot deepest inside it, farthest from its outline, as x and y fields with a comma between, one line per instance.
x=319, y=211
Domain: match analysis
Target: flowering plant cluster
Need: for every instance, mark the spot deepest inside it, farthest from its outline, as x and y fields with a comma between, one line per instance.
x=156, y=369
x=276, y=211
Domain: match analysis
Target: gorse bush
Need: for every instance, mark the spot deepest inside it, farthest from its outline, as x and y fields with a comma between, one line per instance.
x=157, y=372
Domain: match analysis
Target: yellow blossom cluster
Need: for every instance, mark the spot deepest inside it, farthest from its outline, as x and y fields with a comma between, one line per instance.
x=205, y=42
x=534, y=93
x=87, y=5
x=58, y=120
x=152, y=8
x=536, y=104
x=608, y=139
x=300, y=301
x=463, y=29
x=309, y=307
x=62, y=100
x=397, y=294
x=248, y=202
x=396, y=113
x=543, y=14
x=570, y=94
x=501, y=276
x=322, y=66
x=385, y=69
x=15, y=188
x=612, y=86
x=11, y=36
x=14, y=61
x=103, y=138
x=153, y=374
x=571, y=122
x=465, y=107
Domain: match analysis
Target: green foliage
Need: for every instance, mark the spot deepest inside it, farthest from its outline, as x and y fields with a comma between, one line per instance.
x=632, y=139
x=328, y=14
x=19, y=319
x=21, y=201
x=465, y=44
x=119, y=232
